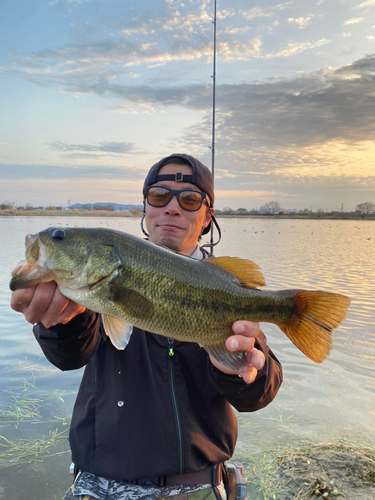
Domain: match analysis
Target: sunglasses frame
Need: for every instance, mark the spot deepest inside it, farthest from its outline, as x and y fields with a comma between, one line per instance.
x=176, y=193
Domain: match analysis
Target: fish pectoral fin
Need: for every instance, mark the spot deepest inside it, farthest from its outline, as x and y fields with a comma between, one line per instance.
x=232, y=360
x=245, y=270
x=131, y=302
x=118, y=330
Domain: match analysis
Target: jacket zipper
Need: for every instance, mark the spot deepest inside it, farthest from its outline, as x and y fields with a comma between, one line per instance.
x=174, y=402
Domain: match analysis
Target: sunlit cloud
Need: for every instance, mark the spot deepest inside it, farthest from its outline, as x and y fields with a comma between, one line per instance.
x=301, y=22
x=106, y=147
x=44, y=191
x=354, y=20
x=368, y=3
x=256, y=12
x=249, y=194
x=294, y=48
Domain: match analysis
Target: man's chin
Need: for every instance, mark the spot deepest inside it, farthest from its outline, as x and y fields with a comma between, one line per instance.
x=168, y=241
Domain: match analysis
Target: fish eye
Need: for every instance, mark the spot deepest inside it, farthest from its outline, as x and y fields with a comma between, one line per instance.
x=58, y=234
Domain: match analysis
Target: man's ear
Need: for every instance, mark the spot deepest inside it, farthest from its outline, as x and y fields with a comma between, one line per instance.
x=207, y=220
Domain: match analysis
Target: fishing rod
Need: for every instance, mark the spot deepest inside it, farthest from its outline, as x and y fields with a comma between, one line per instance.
x=213, y=118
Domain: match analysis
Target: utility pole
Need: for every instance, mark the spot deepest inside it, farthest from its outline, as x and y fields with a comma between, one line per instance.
x=213, y=118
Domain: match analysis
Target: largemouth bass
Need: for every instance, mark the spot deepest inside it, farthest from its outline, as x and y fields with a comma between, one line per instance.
x=130, y=281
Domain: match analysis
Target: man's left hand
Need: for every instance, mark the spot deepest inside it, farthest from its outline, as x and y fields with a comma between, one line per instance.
x=244, y=339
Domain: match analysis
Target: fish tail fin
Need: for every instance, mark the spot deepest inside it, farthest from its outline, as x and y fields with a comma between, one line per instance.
x=316, y=315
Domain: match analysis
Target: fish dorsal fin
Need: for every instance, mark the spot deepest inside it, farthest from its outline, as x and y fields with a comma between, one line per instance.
x=118, y=330
x=245, y=270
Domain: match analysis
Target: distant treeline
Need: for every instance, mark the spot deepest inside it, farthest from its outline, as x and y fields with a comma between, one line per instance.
x=271, y=208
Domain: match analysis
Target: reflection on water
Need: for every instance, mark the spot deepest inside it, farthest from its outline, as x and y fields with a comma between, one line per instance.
x=319, y=402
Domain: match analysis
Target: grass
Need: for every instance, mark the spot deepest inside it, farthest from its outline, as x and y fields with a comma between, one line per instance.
x=26, y=407
x=326, y=470
x=26, y=451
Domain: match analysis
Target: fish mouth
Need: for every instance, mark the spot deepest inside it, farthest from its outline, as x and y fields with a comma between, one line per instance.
x=33, y=270
x=30, y=238
x=30, y=275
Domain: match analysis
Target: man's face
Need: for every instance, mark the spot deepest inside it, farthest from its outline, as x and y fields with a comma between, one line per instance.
x=171, y=225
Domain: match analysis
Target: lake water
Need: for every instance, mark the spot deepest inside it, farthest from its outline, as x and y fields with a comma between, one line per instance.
x=331, y=402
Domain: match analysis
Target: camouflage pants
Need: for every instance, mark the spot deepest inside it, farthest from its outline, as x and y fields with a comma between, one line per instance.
x=205, y=494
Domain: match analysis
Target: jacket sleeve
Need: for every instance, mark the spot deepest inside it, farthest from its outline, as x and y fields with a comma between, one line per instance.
x=70, y=346
x=250, y=397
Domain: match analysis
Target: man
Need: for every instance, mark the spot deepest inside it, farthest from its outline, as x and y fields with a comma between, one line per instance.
x=155, y=420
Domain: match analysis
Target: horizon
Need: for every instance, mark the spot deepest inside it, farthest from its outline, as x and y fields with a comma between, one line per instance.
x=230, y=210
x=97, y=91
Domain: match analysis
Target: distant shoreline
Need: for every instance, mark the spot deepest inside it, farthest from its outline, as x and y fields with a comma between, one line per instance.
x=105, y=213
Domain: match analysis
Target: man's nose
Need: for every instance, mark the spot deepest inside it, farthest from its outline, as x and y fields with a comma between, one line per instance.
x=173, y=205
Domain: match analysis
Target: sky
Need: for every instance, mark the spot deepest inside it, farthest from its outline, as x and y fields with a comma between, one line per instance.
x=94, y=92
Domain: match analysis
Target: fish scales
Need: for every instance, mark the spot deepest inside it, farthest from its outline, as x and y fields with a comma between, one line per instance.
x=182, y=303
x=130, y=281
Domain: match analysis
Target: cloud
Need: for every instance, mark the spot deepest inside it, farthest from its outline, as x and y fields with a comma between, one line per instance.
x=50, y=172
x=311, y=109
x=369, y=3
x=106, y=147
x=294, y=48
x=174, y=20
x=354, y=20
x=98, y=68
x=256, y=12
x=301, y=22
x=107, y=60
x=69, y=2
x=264, y=120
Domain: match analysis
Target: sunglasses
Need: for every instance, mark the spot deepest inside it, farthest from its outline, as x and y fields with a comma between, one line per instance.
x=188, y=199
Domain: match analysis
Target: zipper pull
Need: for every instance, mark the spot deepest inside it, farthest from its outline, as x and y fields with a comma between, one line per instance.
x=170, y=343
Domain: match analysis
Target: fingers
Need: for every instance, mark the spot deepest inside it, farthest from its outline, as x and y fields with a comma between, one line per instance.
x=249, y=375
x=244, y=340
x=20, y=299
x=45, y=304
x=256, y=358
x=52, y=307
x=247, y=328
x=69, y=313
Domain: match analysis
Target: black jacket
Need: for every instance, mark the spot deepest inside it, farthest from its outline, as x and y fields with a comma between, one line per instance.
x=158, y=408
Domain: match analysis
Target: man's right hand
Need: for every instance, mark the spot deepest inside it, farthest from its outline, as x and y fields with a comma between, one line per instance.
x=44, y=304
